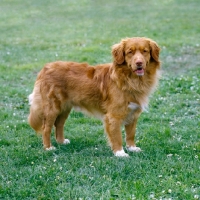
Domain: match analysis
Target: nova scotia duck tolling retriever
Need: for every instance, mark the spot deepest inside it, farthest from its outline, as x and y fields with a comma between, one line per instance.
x=116, y=93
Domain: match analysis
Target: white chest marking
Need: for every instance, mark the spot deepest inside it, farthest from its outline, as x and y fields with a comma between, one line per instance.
x=132, y=107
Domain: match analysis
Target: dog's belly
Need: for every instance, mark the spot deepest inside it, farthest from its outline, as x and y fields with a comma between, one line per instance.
x=90, y=112
x=132, y=108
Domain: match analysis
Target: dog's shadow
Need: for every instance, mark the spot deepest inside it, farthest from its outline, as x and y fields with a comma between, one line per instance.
x=84, y=147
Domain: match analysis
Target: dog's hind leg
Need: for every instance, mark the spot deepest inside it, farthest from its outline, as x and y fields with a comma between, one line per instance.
x=46, y=133
x=59, y=127
x=49, y=118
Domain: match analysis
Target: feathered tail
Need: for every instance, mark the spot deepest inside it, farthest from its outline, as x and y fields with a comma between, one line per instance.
x=35, y=117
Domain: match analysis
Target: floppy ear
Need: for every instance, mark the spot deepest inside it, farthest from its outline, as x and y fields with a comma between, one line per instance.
x=118, y=52
x=155, y=50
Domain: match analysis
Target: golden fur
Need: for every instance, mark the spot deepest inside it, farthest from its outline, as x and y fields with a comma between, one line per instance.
x=116, y=92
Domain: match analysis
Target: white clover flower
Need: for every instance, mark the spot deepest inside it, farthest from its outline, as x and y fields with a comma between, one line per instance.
x=178, y=183
x=133, y=197
x=151, y=195
x=171, y=123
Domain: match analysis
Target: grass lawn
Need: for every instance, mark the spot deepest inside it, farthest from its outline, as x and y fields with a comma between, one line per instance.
x=35, y=32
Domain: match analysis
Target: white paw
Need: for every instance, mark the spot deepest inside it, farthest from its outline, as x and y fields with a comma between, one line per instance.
x=134, y=149
x=121, y=153
x=50, y=148
x=66, y=141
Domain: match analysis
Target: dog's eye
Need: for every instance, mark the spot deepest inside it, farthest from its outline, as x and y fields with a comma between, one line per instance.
x=145, y=51
x=130, y=52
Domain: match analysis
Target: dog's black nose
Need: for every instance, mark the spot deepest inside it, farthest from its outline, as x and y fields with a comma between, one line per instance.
x=139, y=63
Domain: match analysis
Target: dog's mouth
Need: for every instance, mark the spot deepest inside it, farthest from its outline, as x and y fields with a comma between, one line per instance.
x=139, y=71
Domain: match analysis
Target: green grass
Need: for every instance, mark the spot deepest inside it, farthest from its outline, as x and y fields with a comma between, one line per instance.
x=35, y=32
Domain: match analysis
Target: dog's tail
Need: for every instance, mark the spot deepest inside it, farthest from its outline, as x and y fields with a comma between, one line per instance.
x=35, y=117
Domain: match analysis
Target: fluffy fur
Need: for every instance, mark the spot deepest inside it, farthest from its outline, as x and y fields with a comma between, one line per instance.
x=116, y=92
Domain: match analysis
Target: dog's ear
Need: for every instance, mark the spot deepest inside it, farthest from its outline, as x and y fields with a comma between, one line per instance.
x=155, y=50
x=118, y=52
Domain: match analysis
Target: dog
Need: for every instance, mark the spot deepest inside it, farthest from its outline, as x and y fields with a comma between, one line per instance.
x=116, y=93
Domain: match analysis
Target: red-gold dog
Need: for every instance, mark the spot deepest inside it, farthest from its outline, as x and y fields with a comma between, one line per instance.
x=117, y=92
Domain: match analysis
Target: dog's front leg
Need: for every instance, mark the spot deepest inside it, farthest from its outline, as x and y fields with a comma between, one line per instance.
x=113, y=129
x=130, y=136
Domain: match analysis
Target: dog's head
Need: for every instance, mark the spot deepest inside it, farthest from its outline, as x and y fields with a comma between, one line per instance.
x=136, y=53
